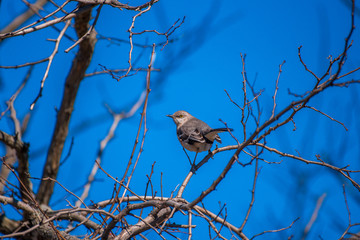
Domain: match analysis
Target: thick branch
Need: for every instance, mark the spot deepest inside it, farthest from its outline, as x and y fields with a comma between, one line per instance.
x=41, y=229
x=115, y=3
x=157, y=216
x=12, y=141
x=76, y=74
x=22, y=152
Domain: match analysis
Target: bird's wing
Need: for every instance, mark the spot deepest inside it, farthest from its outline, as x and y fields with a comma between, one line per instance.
x=190, y=134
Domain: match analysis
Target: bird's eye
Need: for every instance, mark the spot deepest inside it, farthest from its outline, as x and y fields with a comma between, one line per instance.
x=181, y=116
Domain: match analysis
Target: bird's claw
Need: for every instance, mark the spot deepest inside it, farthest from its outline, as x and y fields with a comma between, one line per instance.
x=211, y=154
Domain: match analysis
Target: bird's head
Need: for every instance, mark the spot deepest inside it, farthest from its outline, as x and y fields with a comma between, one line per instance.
x=180, y=117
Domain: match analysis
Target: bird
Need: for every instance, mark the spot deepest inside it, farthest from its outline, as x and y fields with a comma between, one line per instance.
x=194, y=134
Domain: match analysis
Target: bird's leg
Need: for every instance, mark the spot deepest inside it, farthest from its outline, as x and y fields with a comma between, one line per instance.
x=187, y=156
x=194, y=160
x=193, y=166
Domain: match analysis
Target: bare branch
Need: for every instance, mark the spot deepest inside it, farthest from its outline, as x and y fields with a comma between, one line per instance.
x=87, y=34
x=327, y=116
x=252, y=196
x=115, y=3
x=19, y=20
x=50, y=59
x=306, y=68
x=25, y=64
x=277, y=230
x=342, y=171
x=76, y=74
x=276, y=89
x=149, y=219
x=46, y=24
x=314, y=215
x=105, y=141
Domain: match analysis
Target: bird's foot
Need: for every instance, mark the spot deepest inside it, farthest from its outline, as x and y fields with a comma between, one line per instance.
x=211, y=154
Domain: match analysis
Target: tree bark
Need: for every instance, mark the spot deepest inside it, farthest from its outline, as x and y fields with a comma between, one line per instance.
x=76, y=74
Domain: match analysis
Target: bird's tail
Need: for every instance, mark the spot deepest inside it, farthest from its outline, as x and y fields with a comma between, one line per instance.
x=213, y=134
x=221, y=130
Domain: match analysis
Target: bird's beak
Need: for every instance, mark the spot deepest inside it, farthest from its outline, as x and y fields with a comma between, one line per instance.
x=169, y=115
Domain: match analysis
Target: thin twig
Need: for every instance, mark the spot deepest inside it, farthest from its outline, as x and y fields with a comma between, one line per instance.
x=50, y=59
x=252, y=196
x=117, y=118
x=276, y=89
x=274, y=231
x=342, y=124
x=88, y=32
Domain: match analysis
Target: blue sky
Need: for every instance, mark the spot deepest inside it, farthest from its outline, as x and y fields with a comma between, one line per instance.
x=202, y=62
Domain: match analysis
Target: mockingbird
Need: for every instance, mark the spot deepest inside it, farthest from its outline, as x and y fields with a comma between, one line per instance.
x=193, y=134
